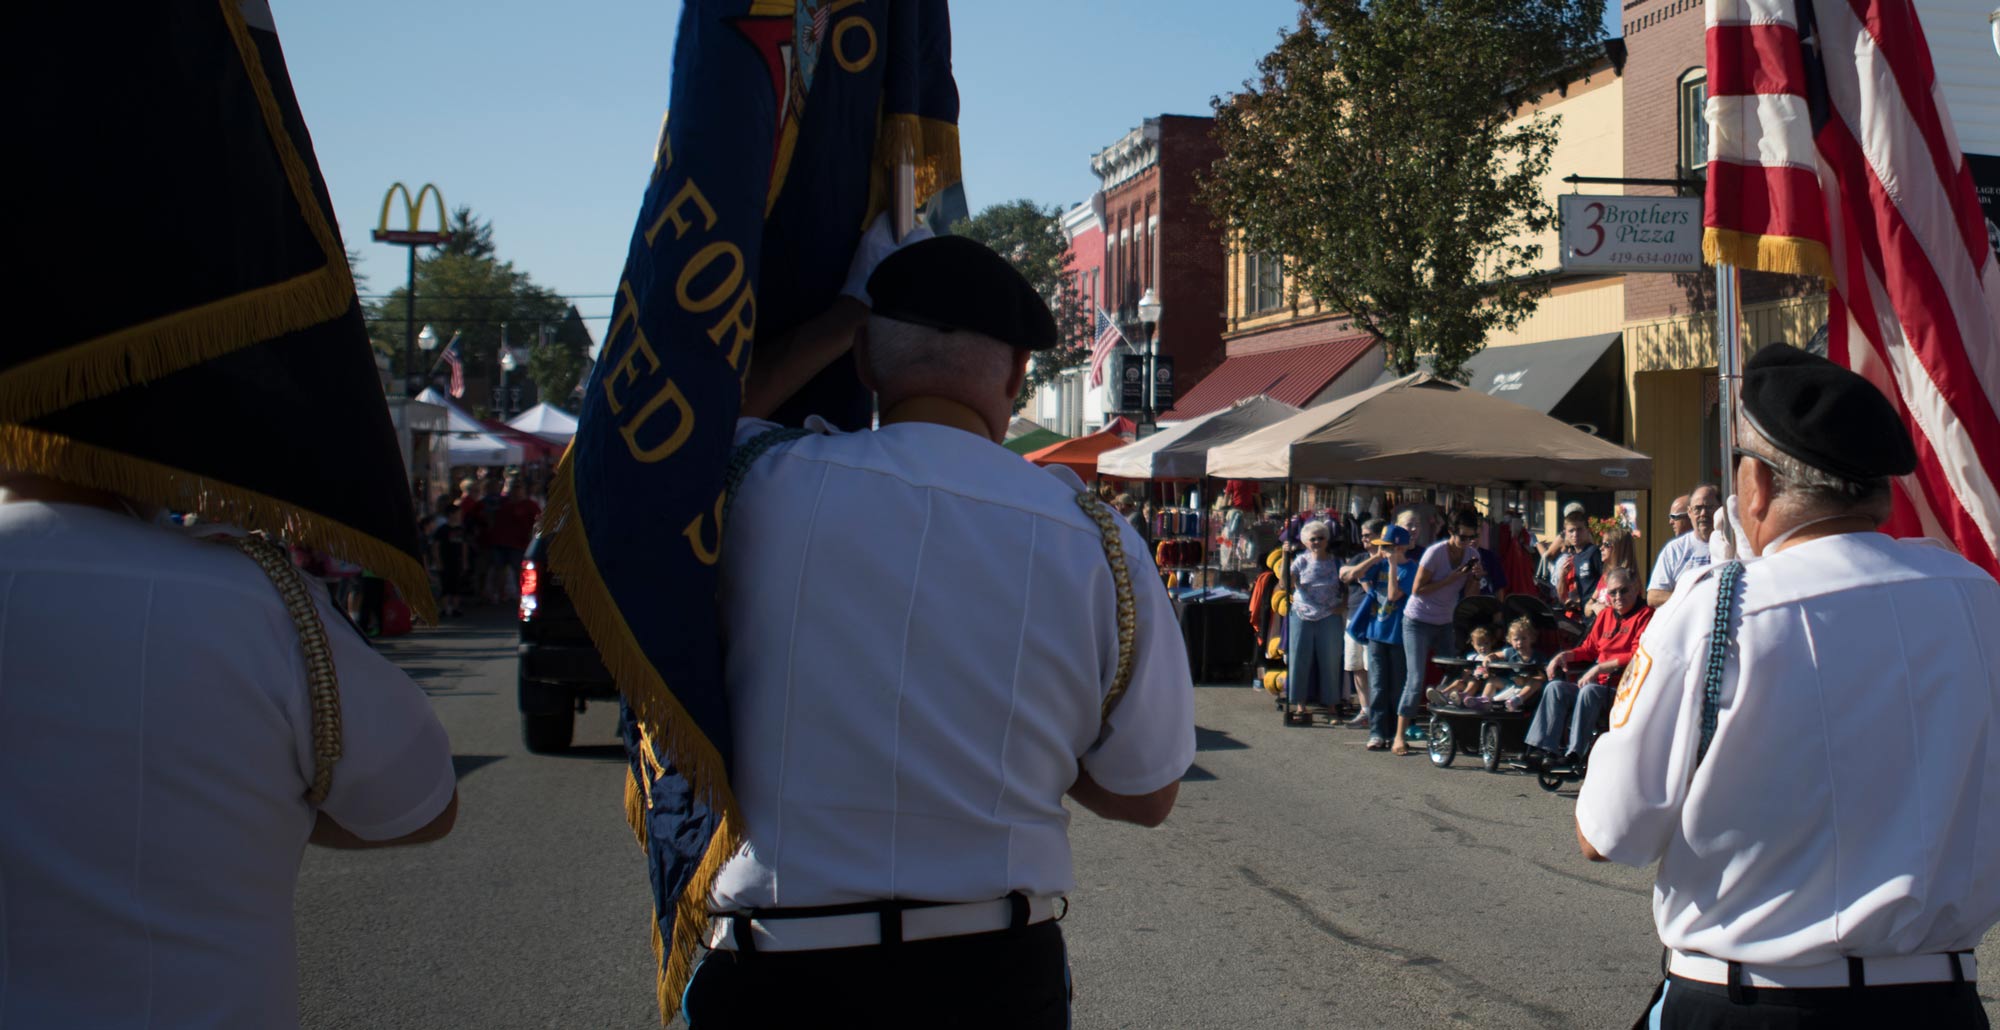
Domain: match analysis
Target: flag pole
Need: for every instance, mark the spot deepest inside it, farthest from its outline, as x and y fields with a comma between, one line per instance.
x=1729, y=378
x=905, y=217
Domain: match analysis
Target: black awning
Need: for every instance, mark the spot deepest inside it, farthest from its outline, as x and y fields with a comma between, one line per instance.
x=1534, y=375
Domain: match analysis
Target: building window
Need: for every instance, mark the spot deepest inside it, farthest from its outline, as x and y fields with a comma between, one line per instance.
x=1694, y=122
x=1264, y=282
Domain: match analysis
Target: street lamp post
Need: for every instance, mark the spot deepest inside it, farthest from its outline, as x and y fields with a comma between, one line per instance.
x=427, y=341
x=1149, y=316
x=507, y=364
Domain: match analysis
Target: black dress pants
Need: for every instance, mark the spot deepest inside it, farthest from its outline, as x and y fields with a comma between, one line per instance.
x=1694, y=1005
x=1008, y=979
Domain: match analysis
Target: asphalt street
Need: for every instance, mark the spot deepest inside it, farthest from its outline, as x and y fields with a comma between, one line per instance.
x=1301, y=882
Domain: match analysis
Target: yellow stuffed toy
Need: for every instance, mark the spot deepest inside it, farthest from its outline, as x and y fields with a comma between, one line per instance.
x=1274, y=682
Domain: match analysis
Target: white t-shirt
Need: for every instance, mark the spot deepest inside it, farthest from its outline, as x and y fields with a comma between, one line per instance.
x=1850, y=800
x=1679, y=557
x=155, y=752
x=922, y=628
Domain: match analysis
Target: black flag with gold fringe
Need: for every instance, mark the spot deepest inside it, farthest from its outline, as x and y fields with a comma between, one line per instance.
x=202, y=346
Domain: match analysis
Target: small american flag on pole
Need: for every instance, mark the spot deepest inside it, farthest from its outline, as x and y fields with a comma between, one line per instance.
x=452, y=357
x=1108, y=337
x=1831, y=153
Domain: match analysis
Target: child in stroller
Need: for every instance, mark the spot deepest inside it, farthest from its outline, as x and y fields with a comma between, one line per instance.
x=1516, y=690
x=1477, y=680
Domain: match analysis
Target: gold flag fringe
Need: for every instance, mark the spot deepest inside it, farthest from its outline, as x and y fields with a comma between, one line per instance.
x=661, y=720
x=636, y=805
x=928, y=143
x=1786, y=255
x=153, y=349
x=82, y=464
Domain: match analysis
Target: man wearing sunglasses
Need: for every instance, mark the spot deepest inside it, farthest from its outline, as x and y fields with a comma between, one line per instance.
x=1677, y=516
x=1687, y=551
x=1820, y=791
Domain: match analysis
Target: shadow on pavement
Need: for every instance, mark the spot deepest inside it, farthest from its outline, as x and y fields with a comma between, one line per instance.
x=465, y=765
x=1206, y=739
x=1197, y=774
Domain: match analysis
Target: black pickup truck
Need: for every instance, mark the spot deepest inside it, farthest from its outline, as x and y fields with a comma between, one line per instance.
x=560, y=668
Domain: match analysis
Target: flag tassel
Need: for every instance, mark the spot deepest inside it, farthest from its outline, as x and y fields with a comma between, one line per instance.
x=73, y=461
x=1787, y=255
x=662, y=722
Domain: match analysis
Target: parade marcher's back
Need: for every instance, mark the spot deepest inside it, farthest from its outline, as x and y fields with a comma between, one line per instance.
x=156, y=746
x=934, y=700
x=1864, y=722
x=923, y=633
x=1830, y=856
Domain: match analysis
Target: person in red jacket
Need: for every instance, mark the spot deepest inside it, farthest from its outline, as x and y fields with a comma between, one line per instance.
x=1572, y=705
x=511, y=529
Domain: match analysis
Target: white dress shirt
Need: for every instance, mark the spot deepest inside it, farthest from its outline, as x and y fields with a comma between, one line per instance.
x=1850, y=801
x=922, y=628
x=155, y=752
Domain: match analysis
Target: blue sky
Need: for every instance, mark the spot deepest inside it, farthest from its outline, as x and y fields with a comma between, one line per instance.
x=543, y=116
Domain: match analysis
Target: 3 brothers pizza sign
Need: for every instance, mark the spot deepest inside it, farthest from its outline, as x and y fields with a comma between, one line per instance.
x=1630, y=234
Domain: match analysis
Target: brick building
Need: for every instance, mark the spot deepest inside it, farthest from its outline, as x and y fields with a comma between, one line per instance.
x=1070, y=405
x=1158, y=236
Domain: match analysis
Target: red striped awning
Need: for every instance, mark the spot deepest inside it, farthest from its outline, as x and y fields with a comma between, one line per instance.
x=1294, y=376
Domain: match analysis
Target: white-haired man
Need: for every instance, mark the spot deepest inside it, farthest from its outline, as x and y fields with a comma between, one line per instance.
x=923, y=633
x=1819, y=786
x=1687, y=552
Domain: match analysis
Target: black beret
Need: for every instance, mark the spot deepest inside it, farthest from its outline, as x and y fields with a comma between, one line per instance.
x=951, y=282
x=1824, y=415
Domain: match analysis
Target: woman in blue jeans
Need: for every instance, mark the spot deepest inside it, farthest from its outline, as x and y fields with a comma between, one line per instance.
x=1449, y=570
x=1389, y=575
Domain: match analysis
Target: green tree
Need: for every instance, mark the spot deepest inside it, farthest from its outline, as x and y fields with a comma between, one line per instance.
x=472, y=295
x=470, y=236
x=1033, y=240
x=354, y=267
x=557, y=360
x=1374, y=151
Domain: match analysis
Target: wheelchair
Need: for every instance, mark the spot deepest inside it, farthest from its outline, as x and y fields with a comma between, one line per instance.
x=1553, y=777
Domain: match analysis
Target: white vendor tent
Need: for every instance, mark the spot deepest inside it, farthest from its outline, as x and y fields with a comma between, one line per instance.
x=1182, y=451
x=467, y=441
x=547, y=422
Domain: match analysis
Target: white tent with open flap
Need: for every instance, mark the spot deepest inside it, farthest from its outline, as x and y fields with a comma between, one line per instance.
x=1182, y=451
x=547, y=422
x=466, y=440
x=1422, y=429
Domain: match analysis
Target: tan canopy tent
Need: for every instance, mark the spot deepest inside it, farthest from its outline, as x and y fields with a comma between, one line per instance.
x=1182, y=451
x=1421, y=429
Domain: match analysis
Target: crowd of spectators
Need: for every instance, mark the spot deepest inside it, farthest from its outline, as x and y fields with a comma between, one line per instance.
x=474, y=537
x=1399, y=605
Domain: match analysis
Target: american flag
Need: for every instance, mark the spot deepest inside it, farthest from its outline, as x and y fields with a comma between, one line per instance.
x=452, y=357
x=1108, y=337
x=1831, y=153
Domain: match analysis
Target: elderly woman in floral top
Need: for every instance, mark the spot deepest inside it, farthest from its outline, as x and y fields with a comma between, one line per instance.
x=1316, y=659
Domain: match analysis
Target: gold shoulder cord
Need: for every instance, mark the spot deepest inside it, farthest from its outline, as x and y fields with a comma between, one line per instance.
x=320, y=674
x=1128, y=608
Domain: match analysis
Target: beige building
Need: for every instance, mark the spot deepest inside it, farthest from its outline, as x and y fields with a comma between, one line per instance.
x=1565, y=359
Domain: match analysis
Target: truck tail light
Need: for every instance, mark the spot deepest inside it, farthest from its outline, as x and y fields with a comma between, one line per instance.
x=531, y=579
